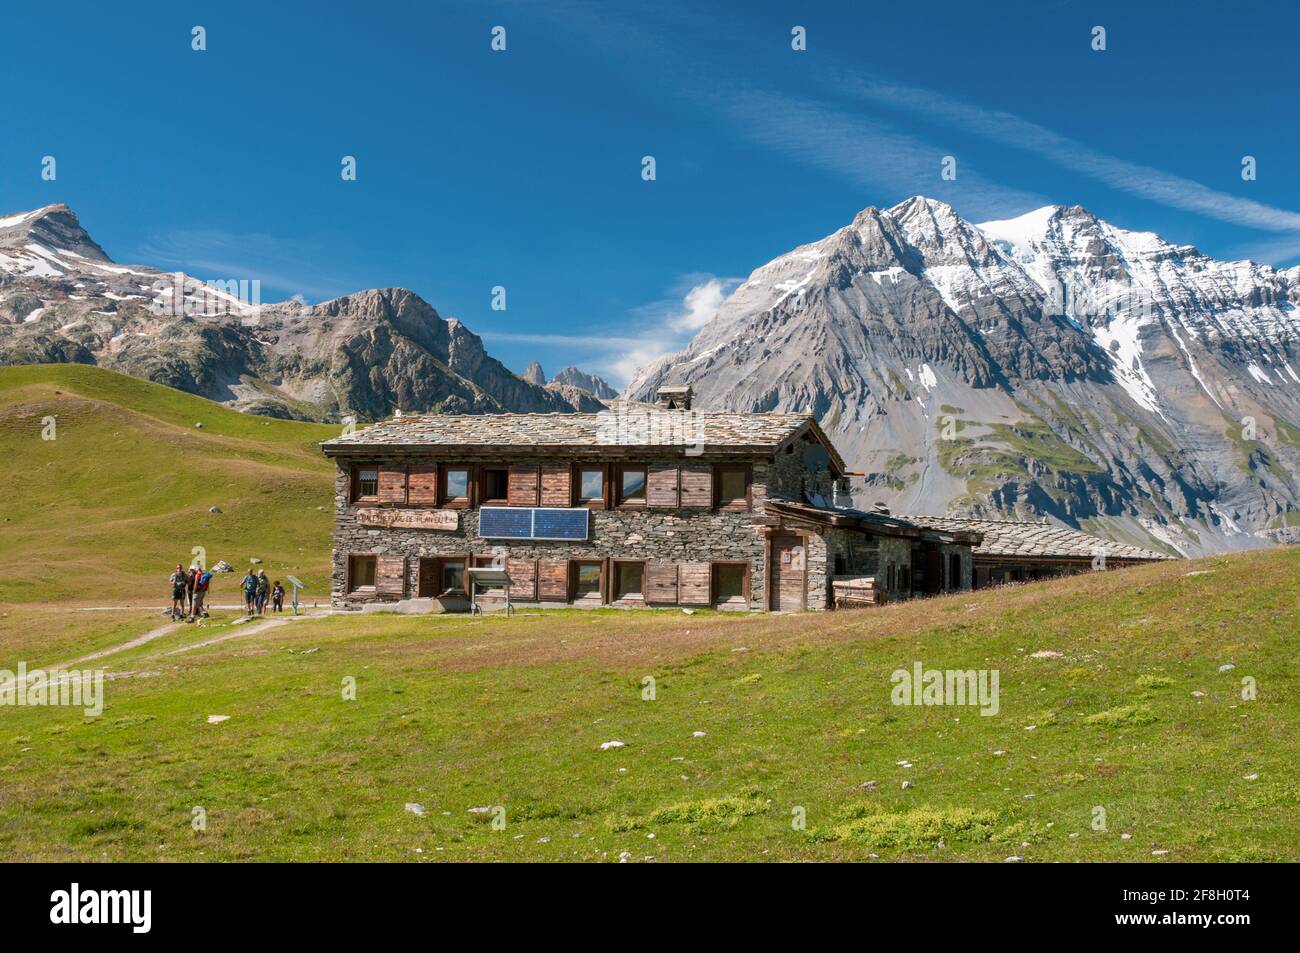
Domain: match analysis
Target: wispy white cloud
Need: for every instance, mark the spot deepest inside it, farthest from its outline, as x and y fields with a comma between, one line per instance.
x=290, y=265
x=870, y=153
x=663, y=326
x=1134, y=178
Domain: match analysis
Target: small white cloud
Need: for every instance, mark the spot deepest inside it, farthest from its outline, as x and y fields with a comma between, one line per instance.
x=701, y=303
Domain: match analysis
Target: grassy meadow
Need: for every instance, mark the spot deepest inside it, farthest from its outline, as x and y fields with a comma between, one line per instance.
x=1120, y=733
x=480, y=739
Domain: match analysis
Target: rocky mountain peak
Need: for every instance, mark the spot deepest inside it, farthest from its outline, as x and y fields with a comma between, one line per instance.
x=534, y=374
x=55, y=227
x=1050, y=363
x=572, y=377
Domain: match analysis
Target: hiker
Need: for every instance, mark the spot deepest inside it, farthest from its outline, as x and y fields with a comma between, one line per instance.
x=201, y=582
x=277, y=597
x=191, y=580
x=177, y=579
x=263, y=591
x=250, y=592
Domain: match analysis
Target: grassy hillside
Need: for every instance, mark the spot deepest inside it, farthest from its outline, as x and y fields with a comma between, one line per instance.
x=1133, y=716
x=104, y=511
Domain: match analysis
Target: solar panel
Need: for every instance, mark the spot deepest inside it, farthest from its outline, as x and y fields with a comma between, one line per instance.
x=529, y=522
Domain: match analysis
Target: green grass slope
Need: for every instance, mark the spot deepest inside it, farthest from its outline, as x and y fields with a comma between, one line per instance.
x=1127, y=742
x=103, y=512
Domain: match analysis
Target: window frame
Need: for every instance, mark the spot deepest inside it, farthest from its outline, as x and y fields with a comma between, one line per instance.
x=736, y=504
x=746, y=593
x=351, y=587
x=631, y=503
x=575, y=566
x=455, y=502
x=614, y=596
x=355, y=483
x=592, y=504
x=483, y=498
x=440, y=562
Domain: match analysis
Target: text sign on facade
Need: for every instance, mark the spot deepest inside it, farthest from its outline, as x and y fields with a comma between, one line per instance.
x=409, y=519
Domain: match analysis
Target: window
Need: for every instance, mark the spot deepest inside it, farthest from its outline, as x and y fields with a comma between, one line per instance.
x=451, y=575
x=629, y=580
x=365, y=483
x=455, y=485
x=587, y=581
x=732, y=491
x=495, y=488
x=631, y=486
x=841, y=565
x=731, y=584
x=361, y=573
x=591, y=486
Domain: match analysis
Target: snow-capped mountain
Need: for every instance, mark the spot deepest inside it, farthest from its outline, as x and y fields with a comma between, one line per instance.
x=62, y=299
x=1048, y=364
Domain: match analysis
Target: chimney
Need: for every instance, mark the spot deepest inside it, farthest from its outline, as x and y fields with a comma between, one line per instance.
x=881, y=508
x=674, y=398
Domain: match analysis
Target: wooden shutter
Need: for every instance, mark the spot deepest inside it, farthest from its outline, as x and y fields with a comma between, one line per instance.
x=661, y=487
x=697, y=486
x=553, y=580
x=661, y=582
x=694, y=582
x=557, y=489
x=392, y=485
x=522, y=486
x=390, y=576
x=422, y=486
x=523, y=578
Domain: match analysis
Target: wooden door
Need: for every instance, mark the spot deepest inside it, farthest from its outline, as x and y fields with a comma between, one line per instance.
x=428, y=582
x=789, y=574
x=933, y=569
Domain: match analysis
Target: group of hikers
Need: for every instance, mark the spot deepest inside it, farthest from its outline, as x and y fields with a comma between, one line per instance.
x=190, y=590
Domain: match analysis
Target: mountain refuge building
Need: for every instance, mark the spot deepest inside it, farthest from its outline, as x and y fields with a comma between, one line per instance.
x=641, y=505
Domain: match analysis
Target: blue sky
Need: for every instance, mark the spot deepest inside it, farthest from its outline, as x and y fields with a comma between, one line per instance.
x=523, y=168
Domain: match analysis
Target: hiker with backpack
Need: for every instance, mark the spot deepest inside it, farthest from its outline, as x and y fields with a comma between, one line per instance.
x=201, y=582
x=249, y=587
x=191, y=580
x=263, y=591
x=177, y=579
x=277, y=597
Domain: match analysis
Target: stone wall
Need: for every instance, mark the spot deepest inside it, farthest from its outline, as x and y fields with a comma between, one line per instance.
x=653, y=534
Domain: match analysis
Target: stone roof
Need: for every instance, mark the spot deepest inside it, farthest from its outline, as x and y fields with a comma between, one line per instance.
x=625, y=424
x=1012, y=538
x=879, y=523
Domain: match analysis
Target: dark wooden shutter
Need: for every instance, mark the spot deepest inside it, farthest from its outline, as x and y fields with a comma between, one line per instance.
x=553, y=580
x=557, y=490
x=697, y=486
x=522, y=486
x=392, y=485
x=523, y=578
x=390, y=576
x=661, y=583
x=694, y=582
x=422, y=486
x=661, y=487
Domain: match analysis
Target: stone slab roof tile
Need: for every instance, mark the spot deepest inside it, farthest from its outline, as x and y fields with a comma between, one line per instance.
x=1037, y=540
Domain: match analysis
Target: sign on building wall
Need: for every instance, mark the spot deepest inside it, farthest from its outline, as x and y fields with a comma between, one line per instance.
x=409, y=519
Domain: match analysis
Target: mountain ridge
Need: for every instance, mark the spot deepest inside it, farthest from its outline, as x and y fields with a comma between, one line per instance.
x=361, y=355
x=1047, y=365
